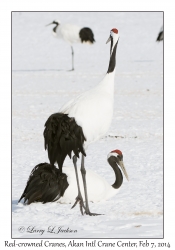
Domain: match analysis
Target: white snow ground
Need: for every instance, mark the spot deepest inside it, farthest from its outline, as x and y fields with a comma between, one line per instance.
x=41, y=84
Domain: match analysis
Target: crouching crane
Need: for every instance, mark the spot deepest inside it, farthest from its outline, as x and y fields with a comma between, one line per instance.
x=47, y=183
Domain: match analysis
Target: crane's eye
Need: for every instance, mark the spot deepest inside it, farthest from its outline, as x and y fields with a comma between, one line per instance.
x=120, y=157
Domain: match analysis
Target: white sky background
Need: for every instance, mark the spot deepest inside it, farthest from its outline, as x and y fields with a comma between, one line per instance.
x=5, y=95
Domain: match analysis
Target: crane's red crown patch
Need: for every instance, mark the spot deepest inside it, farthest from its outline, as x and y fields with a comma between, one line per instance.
x=115, y=30
x=117, y=151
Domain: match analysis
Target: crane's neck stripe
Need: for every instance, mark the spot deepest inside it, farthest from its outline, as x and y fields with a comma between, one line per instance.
x=112, y=61
x=55, y=28
x=111, y=44
x=118, y=174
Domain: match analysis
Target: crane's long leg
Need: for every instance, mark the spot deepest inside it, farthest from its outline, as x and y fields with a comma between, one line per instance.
x=79, y=197
x=83, y=172
x=72, y=58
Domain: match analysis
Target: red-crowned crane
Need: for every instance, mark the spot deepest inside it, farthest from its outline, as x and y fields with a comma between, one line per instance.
x=82, y=121
x=71, y=34
x=46, y=183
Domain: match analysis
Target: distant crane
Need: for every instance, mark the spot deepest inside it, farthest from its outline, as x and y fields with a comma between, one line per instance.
x=71, y=33
x=82, y=121
x=160, y=35
x=46, y=183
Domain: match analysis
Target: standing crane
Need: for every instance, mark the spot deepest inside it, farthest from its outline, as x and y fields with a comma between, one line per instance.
x=71, y=34
x=82, y=121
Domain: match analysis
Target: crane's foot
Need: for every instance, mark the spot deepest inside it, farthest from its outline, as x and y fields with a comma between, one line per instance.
x=91, y=214
x=81, y=203
x=79, y=200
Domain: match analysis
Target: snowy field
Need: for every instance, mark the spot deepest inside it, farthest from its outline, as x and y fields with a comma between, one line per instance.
x=41, y=84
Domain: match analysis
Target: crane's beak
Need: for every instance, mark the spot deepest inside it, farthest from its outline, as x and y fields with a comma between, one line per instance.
x=109, y=39
x=121, y=164
x=49, y=24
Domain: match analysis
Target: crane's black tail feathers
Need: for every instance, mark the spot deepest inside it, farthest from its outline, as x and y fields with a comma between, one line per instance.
x=86, y=35
x=62, y=135
x=46, y=183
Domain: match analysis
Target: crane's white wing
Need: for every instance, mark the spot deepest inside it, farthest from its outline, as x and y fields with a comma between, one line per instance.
x=98, y=188
x=90, y=110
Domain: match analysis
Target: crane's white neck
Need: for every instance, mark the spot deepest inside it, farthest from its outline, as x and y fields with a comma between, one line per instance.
x=108, y=82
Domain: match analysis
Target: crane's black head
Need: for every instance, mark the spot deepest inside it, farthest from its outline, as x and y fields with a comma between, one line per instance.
x=56, y=22
x=117, y=154
x=115, y=158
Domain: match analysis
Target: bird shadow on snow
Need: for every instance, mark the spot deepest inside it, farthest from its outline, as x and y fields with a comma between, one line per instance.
x=16, y=205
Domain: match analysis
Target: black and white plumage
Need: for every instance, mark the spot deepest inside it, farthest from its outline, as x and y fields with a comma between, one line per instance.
x=160, y=35
x=47, y=184
x=62, y=136
x=92, y=113
x=71, y=34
